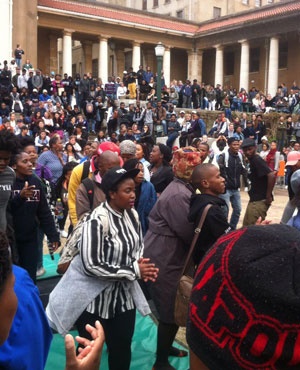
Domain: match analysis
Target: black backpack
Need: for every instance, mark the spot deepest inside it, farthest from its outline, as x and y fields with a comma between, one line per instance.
x=86, y=170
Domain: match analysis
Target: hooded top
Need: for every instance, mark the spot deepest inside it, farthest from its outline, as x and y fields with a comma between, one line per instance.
x=32, y=212
x=215, y=223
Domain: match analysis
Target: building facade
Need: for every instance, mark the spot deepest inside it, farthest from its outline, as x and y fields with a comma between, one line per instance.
x=258, y=48
x=195, y=10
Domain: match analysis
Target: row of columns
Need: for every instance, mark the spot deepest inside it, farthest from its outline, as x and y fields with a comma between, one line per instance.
x=194, y=60
x=272, y=72
x=103, y=56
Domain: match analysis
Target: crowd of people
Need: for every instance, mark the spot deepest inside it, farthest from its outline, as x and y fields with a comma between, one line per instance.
x=74, y=157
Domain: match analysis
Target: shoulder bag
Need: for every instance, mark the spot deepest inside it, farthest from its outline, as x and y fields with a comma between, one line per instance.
x=185, y=284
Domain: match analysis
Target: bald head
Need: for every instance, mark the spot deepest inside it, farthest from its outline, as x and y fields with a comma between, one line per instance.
x=107, y=160
x=201, y=172
x=206, y=177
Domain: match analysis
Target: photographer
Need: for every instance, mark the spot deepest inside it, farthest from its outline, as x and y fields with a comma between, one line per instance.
x=18, y=55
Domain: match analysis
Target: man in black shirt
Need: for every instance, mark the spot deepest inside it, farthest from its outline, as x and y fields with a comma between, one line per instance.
x=196, y=90
x=262, y=180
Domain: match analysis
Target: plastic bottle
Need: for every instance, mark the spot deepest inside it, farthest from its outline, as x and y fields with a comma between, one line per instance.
x=59, y=209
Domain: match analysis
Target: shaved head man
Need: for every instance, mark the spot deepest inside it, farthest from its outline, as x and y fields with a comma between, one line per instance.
x=89, y=195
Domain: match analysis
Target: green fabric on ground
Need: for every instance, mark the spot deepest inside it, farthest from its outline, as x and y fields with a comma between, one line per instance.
x=143, y=349
x=50, y=266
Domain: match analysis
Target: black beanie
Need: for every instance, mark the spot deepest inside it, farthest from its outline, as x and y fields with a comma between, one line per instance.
x=245, y=303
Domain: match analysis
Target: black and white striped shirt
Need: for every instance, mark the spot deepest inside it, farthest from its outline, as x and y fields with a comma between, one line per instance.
x=111, y=244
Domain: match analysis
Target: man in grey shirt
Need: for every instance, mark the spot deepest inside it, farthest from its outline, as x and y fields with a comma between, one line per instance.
x=148, y=115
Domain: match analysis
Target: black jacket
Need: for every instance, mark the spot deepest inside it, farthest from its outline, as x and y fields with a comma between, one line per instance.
x=232, y=169
x=215, y=223
x=29, y=214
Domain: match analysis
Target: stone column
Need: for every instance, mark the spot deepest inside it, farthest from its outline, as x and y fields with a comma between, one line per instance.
x=67, y=52
x=136, y=55
x=6, y=28
x=219, y=73
x=87, y=50
x=167, y=65
x=195, y=65
x=103, y=59
x=120, y=61
x=24, y=28
x=53, y=61
x=273, y=66
x=244, y=69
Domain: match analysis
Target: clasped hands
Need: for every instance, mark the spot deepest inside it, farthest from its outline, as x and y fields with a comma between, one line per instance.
x=148, y=270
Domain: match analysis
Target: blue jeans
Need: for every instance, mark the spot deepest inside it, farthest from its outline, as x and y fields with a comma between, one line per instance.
x=18, y=62
x=164, y=124
x=204, y=103
x=91, y=125
x=171, y=138
x=233, y=197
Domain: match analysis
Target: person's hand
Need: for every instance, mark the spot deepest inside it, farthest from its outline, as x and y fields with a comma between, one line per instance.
x=55, y=245
x=269, y=201
x=89, y=356
x=148, y=270
x=264, y=222
x=27, y=191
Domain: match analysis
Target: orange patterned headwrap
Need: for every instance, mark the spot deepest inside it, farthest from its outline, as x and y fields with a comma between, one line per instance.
x=184, y=161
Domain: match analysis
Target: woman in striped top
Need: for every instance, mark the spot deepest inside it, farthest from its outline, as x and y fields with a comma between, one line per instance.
x=111, y=248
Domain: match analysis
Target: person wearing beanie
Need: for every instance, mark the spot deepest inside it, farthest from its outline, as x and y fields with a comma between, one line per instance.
x=160, y=170
x=264, y=140
x=262, y=183
x=244, y=310
x=127, y=150
x=166, y=244
x=232, y=167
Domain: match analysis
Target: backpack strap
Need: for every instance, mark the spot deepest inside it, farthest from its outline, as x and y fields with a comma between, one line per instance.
x=86, y=170
x=89, y=187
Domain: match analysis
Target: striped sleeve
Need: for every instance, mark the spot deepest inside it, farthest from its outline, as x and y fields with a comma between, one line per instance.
x=111, y=256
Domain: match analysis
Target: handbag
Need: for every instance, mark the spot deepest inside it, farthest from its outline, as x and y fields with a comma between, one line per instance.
x=186, y=280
